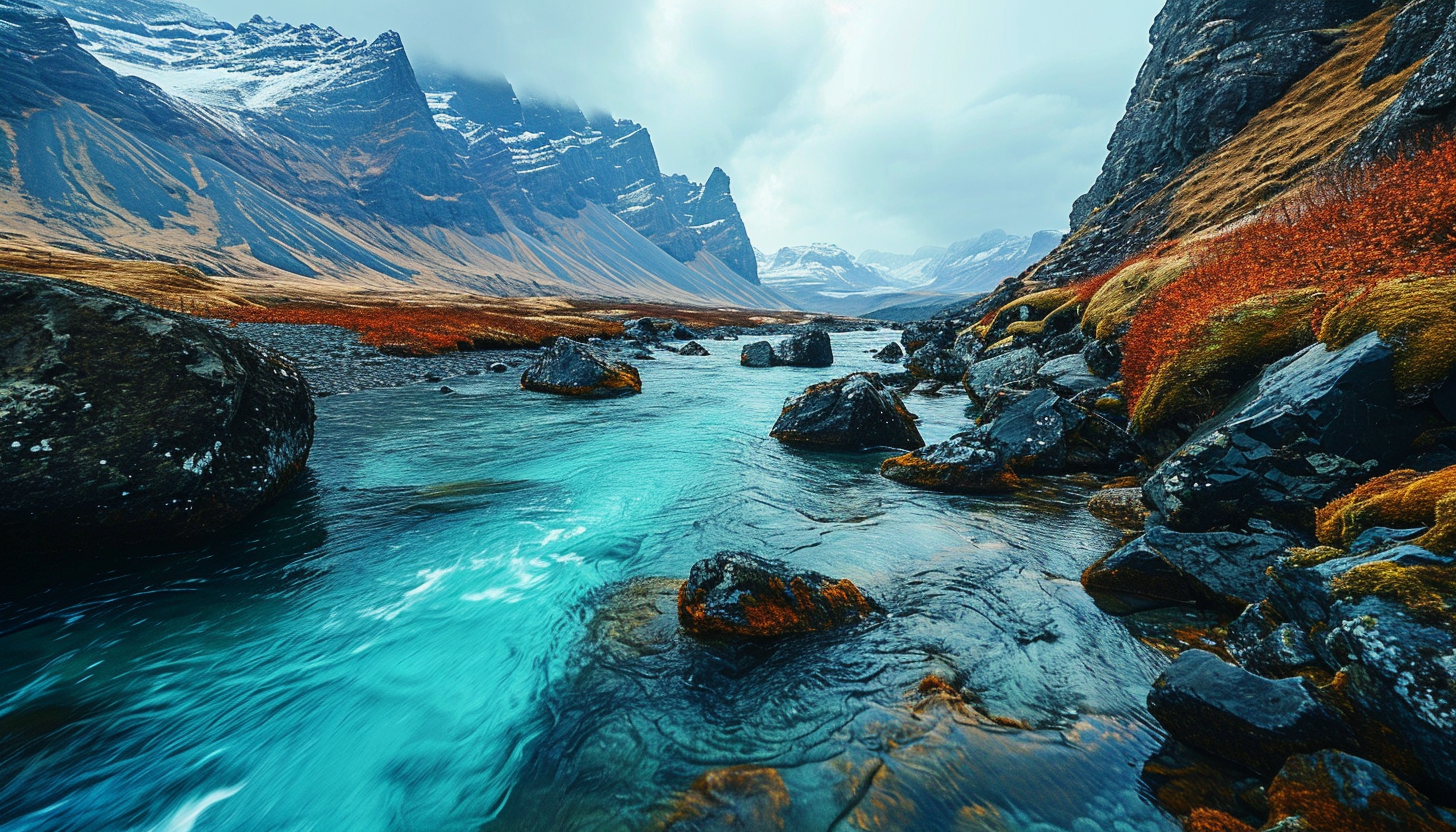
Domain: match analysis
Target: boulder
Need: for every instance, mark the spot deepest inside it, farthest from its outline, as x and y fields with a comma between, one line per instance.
x=693, y=348
x=1230, y=713
x=920, y=334
x=758, y=354
x=891, y=354
x=738, y=595
x=932, y=362
x=807, y=349
x=1269, y=648
x=1014, y=369
x=1331, y=790
x=1122, y=508
x=1306, y=432
x=1068, y=376
x=570, y=368
x=682, y=333
x=851, y=413
x=1385, y=620
x=125, y=424
x=1219, y=568
x=969, y=462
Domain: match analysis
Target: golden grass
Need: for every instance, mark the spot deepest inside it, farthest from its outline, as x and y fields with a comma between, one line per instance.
x=1315, y=121
x=1117, y=301
x=1401, y=500
x=1194, y=383
x=1417, y=314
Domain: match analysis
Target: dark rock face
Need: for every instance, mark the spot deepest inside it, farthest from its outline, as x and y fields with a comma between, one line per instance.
x=712, y=213
x=807, y=349
x=854, y=412
x=1140, y=570
x=891, y=354
x=1423, y=30
x=759, y=354
x=127, y=424
x=1413, y=34
x=1014, y=370
x=931, y=362
x=1333, y=790
x=1214, y=65
x=1307, y=431
x=570, y=368
x=737, y=595
x=1231, y=713
x=1267, y=648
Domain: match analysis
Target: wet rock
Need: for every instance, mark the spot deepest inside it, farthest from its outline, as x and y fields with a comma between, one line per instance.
x=758, y=354
x=682, y=333
x=746, y=798
x=1015, y=369
x=125, y=424
x=1218, y=568
x=1226, y=711
x=738, y=595
x=1385, y=621
x=498, y=367
x=1331, y=790
x=447, y=389
x=1121, y=508
x=807, y=349
x=891, y=354
x=1268, y=648
x=570, y=368
x=932, y=362
x=920, y=334
x=1310, y=428
x=1069, y=376
x=693, y=348
x=854, y=412
x=969, y=462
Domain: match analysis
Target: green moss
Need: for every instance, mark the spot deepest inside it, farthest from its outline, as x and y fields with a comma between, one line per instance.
x=1417, y=314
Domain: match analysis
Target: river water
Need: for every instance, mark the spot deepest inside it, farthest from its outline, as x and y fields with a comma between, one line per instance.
x=463, y=620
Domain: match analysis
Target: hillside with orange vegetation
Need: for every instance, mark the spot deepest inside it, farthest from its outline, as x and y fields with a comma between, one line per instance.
x=403, y=322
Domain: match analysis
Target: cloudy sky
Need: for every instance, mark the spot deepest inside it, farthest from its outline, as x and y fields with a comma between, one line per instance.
x=885, y=124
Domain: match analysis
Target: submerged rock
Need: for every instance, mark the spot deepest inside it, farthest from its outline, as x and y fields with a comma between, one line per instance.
x=570, y=368
x=1331, y=790
x=1310, y=428
x=693, y=348
x=726, y=799
x=807, y=349
x=123, y=424
x=759, y=354
x=738, y=595
x=498, y=367
x=1228, y=712
x=890, y=354
x=854, y=412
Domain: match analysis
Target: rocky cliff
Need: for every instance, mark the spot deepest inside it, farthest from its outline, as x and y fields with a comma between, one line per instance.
x=144, y=128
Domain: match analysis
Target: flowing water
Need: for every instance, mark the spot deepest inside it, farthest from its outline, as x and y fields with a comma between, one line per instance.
x=463, y=620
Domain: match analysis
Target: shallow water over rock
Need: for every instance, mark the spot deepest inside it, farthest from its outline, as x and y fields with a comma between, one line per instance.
x=465, y=620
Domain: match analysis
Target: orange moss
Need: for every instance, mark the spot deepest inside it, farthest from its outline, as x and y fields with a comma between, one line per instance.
x=1210, y=820
x=1351, y=233
x=1402, y=500
x=771, y=614
x=741, y=797
x=912, y=470
x=1427, y=591
x=1306, y=789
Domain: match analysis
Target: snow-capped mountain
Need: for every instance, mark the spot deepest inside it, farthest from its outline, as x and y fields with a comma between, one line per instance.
x=824, y=278
x=969, y=266
x=147, y=128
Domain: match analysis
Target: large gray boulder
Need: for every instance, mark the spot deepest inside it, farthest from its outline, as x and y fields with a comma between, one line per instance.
x=571, y=368
x=1218, y=568
x=1226, y=711
x=121, y=423
x=1311, y=428
x=759, y=354
x=1013, y=369
x=807, y=349
x=850, y=413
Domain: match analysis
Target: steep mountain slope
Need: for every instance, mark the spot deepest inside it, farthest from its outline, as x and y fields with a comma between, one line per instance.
x=1240, y=103
x=282, y=152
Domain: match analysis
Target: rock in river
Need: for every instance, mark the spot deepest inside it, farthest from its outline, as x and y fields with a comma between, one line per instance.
x=737, y=595
x=1330, y=790
x=570, y=368
x=759, y=354
x=969, y=462
x=807, y=349
x=891, y=354
x=693, y=348
x=1231, y=713
x=123, y=423
x=854, y=412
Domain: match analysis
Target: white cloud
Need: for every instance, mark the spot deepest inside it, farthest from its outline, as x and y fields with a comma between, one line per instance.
x=870, y=123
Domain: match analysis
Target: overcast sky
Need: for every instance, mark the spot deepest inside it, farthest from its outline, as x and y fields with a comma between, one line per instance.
x=887, y=124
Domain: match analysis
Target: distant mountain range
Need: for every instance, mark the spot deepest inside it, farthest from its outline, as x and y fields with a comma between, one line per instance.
x=827, y=278
x=145, y=128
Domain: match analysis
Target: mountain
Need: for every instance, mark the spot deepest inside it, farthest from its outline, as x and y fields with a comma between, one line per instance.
x=824, y=278
x=969, y=266
x=147, y=129
x=1240, y=104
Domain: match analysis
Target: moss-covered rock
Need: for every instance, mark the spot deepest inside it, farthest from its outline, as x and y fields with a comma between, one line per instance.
x=738, y=595
x=1113, y=305
x=1399, y=500
x=1416, y=314
x=1329, y=790
x=570, y=368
